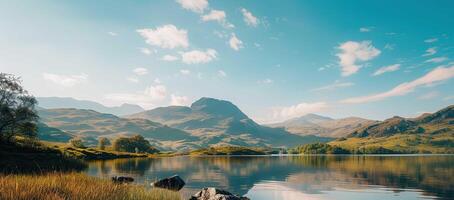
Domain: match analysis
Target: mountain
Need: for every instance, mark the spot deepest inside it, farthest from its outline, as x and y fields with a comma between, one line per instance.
x=312, y=124
x=52, y=134
x=221, y=122
x=67, y=102
x=429, y=133
x=441, y=121
x=90, y=125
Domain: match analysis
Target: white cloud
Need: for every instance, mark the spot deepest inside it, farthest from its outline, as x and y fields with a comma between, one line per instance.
x=147, y=51
x=266, y=81
x=351, y=52
x=167, y=36
x=140, y=71
x=250, y=19
x=437, y=60
x=389, y=46
x=197, y=6
x=364, y=29
x=218, y=16
x=157, y=81
x=169, y=58
x=333, y=86
x=222, y=73
x=235, y=43
x=179, y=100
x=65, y=80
x=429, y=95
x=435, y=76
x=185, y=72
x=385, y=69
x=285, y=113
x=431, y=40
x=112, y=33
x=196, y=56
x=132, y=79
x=430, y=51
x=146, y=98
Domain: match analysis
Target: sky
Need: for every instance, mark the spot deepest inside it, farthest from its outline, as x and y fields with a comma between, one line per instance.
x=274, y=59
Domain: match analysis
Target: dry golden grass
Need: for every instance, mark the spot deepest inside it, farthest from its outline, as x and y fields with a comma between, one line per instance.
x=75, y=186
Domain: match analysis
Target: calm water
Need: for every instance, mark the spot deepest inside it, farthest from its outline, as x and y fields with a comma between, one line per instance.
x=299, y=177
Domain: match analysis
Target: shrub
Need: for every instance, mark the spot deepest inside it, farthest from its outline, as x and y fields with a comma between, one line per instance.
x=134, y=144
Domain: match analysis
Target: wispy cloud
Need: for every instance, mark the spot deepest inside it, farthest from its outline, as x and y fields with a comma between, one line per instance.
x=365, y=29
x=385, y=69
x=249, y=18
x=65, y=80
x=437, y=60
x=218, y=16
x=140, y=71
x=169, y=58
x=235, y=43
x=197, y=57
x=429, y=95
x=351, y=52
x=285, y=113
x=146, y=98
x=197, y=6
x=179, y=100
x=185, y=71
x=435, y=76
x=430, y=51
x=222, y=73
x=333, y=86
x=147, y=51
x=266, y=81
x=112, y=33
x=167, y=36
x=431, y=40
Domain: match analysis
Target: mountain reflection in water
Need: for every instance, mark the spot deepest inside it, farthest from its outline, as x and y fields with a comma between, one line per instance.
x=298, y=177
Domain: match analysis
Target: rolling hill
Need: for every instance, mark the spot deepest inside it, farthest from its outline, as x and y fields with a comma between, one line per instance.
x=90, y=124
x=312, y=124
x=67, y=102
x=429, y=133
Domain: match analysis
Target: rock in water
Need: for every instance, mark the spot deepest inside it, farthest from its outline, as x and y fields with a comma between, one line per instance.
x=174, y=183
x=122, y=179
x=215, y=194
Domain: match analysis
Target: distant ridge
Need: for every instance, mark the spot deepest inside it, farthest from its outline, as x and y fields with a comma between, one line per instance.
x=312, y=124
x=68, y=102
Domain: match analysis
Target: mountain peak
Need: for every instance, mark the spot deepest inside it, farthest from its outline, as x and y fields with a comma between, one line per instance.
x=217, y=107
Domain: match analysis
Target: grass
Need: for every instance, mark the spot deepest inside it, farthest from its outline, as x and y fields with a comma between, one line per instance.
x=75, y=186
x=405, y=143
x=228, y=150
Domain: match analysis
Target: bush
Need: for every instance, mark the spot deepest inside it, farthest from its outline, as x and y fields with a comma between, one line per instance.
x=134, y=144
x=77, y=143
x=320, y=148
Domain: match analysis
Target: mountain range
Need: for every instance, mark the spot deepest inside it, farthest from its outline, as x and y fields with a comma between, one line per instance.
x=210, y=121
x=68, y=102
x=312, y=124
x=205, y=123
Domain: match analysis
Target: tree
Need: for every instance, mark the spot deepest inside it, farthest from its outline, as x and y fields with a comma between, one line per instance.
x=76, y=142
x=102, y=142
x=134, y=144
x=17, y=109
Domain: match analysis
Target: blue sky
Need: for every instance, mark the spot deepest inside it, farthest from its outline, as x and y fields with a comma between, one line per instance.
x=274, y=59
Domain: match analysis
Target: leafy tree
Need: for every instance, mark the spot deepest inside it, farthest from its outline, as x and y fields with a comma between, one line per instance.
x=102, y=142
x=17, y=109
x=134, y=144
x=76, y=142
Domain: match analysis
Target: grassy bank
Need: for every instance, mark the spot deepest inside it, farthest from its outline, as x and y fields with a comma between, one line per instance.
x=75, y=186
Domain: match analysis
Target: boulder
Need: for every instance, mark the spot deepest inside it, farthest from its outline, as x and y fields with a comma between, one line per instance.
x=122, y=179
x=174, y=183
x=215, y=194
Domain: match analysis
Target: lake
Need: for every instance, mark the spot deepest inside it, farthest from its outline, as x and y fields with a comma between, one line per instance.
x=298, y=177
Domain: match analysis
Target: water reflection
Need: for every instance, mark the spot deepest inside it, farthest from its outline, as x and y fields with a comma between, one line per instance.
x=299, y=177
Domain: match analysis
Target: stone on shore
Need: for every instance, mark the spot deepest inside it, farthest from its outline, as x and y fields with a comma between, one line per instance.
x=174, y=183
x=122, y=179
x=212, y=193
